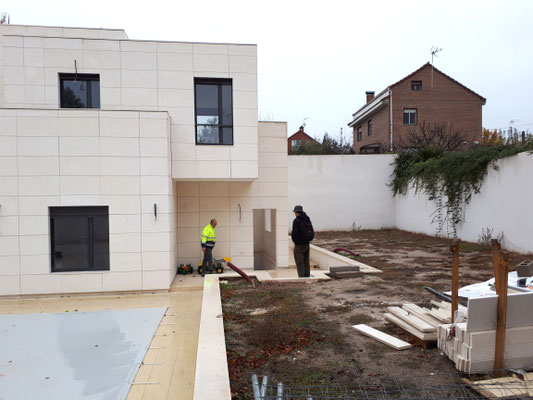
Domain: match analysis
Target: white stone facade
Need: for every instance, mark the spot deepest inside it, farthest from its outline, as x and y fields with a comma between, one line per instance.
x=136, y=151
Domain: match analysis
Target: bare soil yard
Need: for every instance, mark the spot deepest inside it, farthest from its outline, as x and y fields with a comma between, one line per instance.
x=300, y=333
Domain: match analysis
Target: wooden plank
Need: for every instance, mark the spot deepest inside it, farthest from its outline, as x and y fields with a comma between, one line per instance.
x=455, y=278
x=382, y=337
x=501, y=388
x=502, y=312
x=422, y=314
x=411, y=319
x=441, y=314
x=409, y=328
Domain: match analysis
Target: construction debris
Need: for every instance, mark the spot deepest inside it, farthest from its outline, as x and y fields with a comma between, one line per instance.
x=352, y=271
x=382, y=337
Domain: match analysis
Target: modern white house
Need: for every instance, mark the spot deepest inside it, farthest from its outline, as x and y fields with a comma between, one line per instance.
x=115, y=153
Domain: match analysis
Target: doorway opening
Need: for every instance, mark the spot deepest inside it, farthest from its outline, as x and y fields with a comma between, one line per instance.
x=265, y=238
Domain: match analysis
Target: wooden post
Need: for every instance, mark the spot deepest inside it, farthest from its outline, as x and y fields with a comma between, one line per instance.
x=496, y=260
x=455, y=277
x=501, y=323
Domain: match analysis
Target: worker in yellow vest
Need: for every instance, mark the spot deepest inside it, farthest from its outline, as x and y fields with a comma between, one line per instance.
x=208, y=242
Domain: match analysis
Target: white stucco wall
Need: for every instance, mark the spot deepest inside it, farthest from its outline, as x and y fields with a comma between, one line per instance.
x=504, y=205
x=339, y=191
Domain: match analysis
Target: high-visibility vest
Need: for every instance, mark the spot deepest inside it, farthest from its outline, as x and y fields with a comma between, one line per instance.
x=208, y=236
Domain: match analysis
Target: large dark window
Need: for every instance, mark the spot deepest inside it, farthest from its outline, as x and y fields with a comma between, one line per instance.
x=79, y=238
x=410, y=116
x=79, y=90
x=359, y=133
x=370, y=128
x=214, y=111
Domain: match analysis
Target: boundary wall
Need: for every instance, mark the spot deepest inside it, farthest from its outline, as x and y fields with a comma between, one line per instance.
x=343, y=192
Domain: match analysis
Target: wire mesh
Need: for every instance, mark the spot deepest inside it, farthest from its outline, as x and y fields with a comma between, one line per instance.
x=435, y=386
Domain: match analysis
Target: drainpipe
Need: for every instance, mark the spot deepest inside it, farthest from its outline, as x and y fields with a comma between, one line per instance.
x=390, y=119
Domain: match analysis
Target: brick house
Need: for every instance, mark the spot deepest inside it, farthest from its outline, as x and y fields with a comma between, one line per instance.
x=427, y=95
x=297, y=139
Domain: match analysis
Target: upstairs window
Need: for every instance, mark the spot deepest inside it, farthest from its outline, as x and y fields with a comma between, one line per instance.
x=79, y=90
x=79, y=238
x=416, y=85
x=213, y=111
x=359, y=133
x=370, y=128
x=410, y=116
x=295, y=143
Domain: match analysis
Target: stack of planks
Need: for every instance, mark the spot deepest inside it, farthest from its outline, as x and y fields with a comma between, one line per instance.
x=422, y=323
x=471, y=345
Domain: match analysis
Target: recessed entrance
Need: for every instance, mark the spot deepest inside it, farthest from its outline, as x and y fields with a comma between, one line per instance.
x=265, y=238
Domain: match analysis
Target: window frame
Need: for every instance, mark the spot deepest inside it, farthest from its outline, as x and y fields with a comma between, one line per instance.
x=360, y=133
x=416, y=85
x=369, y=127
x=219, y=82
x=295, y=145
x=88, y=214
x=410, y=112
x=79, y=77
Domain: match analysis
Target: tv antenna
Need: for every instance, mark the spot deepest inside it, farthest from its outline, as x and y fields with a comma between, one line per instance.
x=303, y=123
x=434, y=50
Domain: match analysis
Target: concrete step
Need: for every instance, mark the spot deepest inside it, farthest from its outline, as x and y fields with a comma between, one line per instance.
x=346, y=274
x=350, y=268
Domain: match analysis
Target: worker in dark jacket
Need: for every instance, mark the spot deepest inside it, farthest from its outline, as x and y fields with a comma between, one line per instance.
x=302, y=233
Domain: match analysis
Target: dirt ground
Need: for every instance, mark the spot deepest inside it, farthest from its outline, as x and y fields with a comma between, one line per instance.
x=301, y=334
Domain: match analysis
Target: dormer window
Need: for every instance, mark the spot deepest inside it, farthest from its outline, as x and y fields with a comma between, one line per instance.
x=416, y=85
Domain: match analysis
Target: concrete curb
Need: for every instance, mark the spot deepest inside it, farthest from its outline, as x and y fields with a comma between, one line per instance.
x=211, y=380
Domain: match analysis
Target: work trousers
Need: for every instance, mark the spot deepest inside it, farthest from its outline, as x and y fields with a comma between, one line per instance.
x=207, y=262
x=301, y=256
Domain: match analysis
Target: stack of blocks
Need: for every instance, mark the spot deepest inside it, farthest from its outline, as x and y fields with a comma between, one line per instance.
x=471, y=345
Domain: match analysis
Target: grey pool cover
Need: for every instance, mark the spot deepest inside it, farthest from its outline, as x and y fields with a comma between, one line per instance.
x=74, y=355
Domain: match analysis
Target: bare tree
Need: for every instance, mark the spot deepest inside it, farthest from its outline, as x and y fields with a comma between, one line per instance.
x=438, y=136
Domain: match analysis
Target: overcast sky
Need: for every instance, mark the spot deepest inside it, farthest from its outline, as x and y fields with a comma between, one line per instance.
x=316, y=59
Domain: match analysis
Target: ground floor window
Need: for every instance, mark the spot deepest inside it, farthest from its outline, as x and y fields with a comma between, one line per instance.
x=79, y=238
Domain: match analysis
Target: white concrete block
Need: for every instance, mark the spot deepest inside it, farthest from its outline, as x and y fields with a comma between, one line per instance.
x=154, y=147
x=244, y=170
x=183, y=152
x=213, y=169
x=214, y=189
x=188, y=219
x=153, y=127
x=138, y=60
x=175, y=98
x=79, y=165
x=101, y=59
x=175, y=61
x=125, y=166
x=34, y=225
x=109, y=78
x=79, y=146
x=155, y=185
x=242, y=218
x=79, y=185
x=13, y=75
x=120, y=127
x=9, y=285
x=243, y=63
x=182, y=121
x=110, y=98
x=125, y=261
x=175, y=79
x=239, y=249
x=8, y=186
x=9, y=225
x=277, y=174
x=32, y=41
x=77, y=126
x=139, y=97
x=9, y=205
x=36, y=205
x=155, y=166
x=210, y=48
x=8, y=146
x=183, y=169
x=210, y=63
x=13, y=56
x=116, y=185
x=138, y=46
x=34, y=57
x=80, y=33
x=174, y=47
x=120, y=281
x=272, y=144
x=109, y=45
x=188, y=189
x=125, y=242
x=34, y=95
x=38, y=185
x=35, y=264
x=244, y=189
x=63, y=58
x=215, y=203
x=273, y=189
x=279, y=203
x=13, y=41
x=189, y=235
x=150, y=223
x=242, y=50
x=8, y=125
x=245, y=117
x=14, y=94
x=43, y=123
x=124, y=223
x=45, y=31
x=153, y=280
x=114, y=146
x=31, y=166
x=122, y=204
x=62, y=43
x=34, y=244
x=155, y=241
x=244, y=152
x=81, y=282
x=80, y=200
x=138, y=79
x=244, y=82
x=148, y=201
x=245, y=99
x=9, y=246
x=273, y=160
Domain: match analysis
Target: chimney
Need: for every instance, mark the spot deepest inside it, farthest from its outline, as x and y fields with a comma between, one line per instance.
x=301, y=129
x=369, y=96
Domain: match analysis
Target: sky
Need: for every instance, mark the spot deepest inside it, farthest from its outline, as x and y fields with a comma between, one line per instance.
x=316, y=59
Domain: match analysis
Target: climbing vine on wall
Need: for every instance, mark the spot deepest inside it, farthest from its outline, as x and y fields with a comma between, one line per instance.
x=450, y=179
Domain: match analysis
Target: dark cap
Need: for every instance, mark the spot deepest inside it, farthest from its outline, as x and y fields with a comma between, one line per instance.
x=298, y=209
